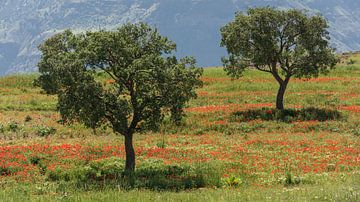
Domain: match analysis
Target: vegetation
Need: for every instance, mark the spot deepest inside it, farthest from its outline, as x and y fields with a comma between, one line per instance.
x=252, y=160
x=144, y=85
x=284, y=43
x=234, y=144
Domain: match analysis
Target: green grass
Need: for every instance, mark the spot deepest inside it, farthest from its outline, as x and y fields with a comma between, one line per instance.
x=347, y=190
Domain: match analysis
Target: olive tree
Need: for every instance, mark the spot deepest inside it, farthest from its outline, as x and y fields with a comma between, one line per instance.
x=144, y=81
x=284, y=43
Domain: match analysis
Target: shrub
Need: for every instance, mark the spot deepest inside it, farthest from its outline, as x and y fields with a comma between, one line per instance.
x=356, y=132
x=39, y=162
x=233, y=181
x=9, y=170
x=14, y=126
x=161, y=144
x=2, y=128
x=290, y=180
x=4, y=171
x=45, y=131
x=28, y=118
x=34, y=160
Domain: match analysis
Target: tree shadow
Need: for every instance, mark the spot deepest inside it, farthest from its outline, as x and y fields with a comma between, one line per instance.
x=287, y=115
x=109, y=175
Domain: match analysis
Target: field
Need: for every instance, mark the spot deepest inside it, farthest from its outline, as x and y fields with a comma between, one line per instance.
x=251, y=161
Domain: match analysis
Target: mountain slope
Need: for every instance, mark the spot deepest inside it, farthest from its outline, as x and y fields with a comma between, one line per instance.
x=192, y=24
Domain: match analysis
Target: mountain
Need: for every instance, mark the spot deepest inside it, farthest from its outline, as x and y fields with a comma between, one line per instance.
x=192, y=24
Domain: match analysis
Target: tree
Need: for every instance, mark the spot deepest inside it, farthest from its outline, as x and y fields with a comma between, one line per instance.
x=284, y=43
x=146, y=83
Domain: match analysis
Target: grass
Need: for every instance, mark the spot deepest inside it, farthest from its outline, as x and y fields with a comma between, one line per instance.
x=345, y=191
x=254, y=160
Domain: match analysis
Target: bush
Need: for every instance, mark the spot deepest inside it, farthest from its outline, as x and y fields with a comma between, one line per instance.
x=34, y=160
x=14, y=126
x=233, y=181
x=356, y=132
x=45, y=131
x=2, y=128
x=351, y=62
x=290, y=180
x=39, y=162
x=161, y=144
x=28, y=118
x=287, y=115
x=9, y=170
x=4, y=171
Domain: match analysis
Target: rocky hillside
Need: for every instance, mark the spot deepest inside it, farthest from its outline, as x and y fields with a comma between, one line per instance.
x=192, y=24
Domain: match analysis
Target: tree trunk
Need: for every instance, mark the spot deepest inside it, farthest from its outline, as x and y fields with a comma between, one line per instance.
x=281, y=93
x=130, y=154
x=283, y=84
x=280, y=97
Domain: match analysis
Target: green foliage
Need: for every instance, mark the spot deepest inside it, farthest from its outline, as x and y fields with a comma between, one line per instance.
x=295, y=42
x=144, y=79
x=288, y=115
x=284, y=43
x=13, y=126
x=44, y=131
x=233, y=181
x=290, y=180
x=39, y=161
x=8, y=170
x=161, y=144
x=2, y=128
x=35, y=160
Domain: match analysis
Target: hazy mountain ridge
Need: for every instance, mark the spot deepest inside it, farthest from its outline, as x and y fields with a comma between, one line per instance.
x=192, y=24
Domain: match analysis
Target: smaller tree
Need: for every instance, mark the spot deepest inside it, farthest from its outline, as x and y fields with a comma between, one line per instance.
x=284, y=43
x=144, y=81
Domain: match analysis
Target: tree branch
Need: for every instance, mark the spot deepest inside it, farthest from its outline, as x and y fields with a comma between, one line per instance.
x=284, y=68
x=109, y=73
x=114, y=60
x=137, y=111
x=276, y=74
x=263, y=70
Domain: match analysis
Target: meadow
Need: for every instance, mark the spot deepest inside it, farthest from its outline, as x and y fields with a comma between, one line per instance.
x=211, y=156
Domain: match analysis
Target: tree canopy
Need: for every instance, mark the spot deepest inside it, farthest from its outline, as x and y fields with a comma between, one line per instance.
x=284, y=43
x=144, y=81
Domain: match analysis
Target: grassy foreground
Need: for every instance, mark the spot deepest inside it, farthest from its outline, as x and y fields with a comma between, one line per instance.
x=42, y=160
x=324, y=192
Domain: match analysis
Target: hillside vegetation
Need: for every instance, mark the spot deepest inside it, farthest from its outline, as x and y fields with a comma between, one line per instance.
x=231, y=160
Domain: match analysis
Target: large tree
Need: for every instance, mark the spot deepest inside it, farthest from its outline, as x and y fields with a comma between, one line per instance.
x=144, y=81
x=284, y=43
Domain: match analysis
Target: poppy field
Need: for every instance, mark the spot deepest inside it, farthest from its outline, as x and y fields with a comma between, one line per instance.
x=250, y=160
